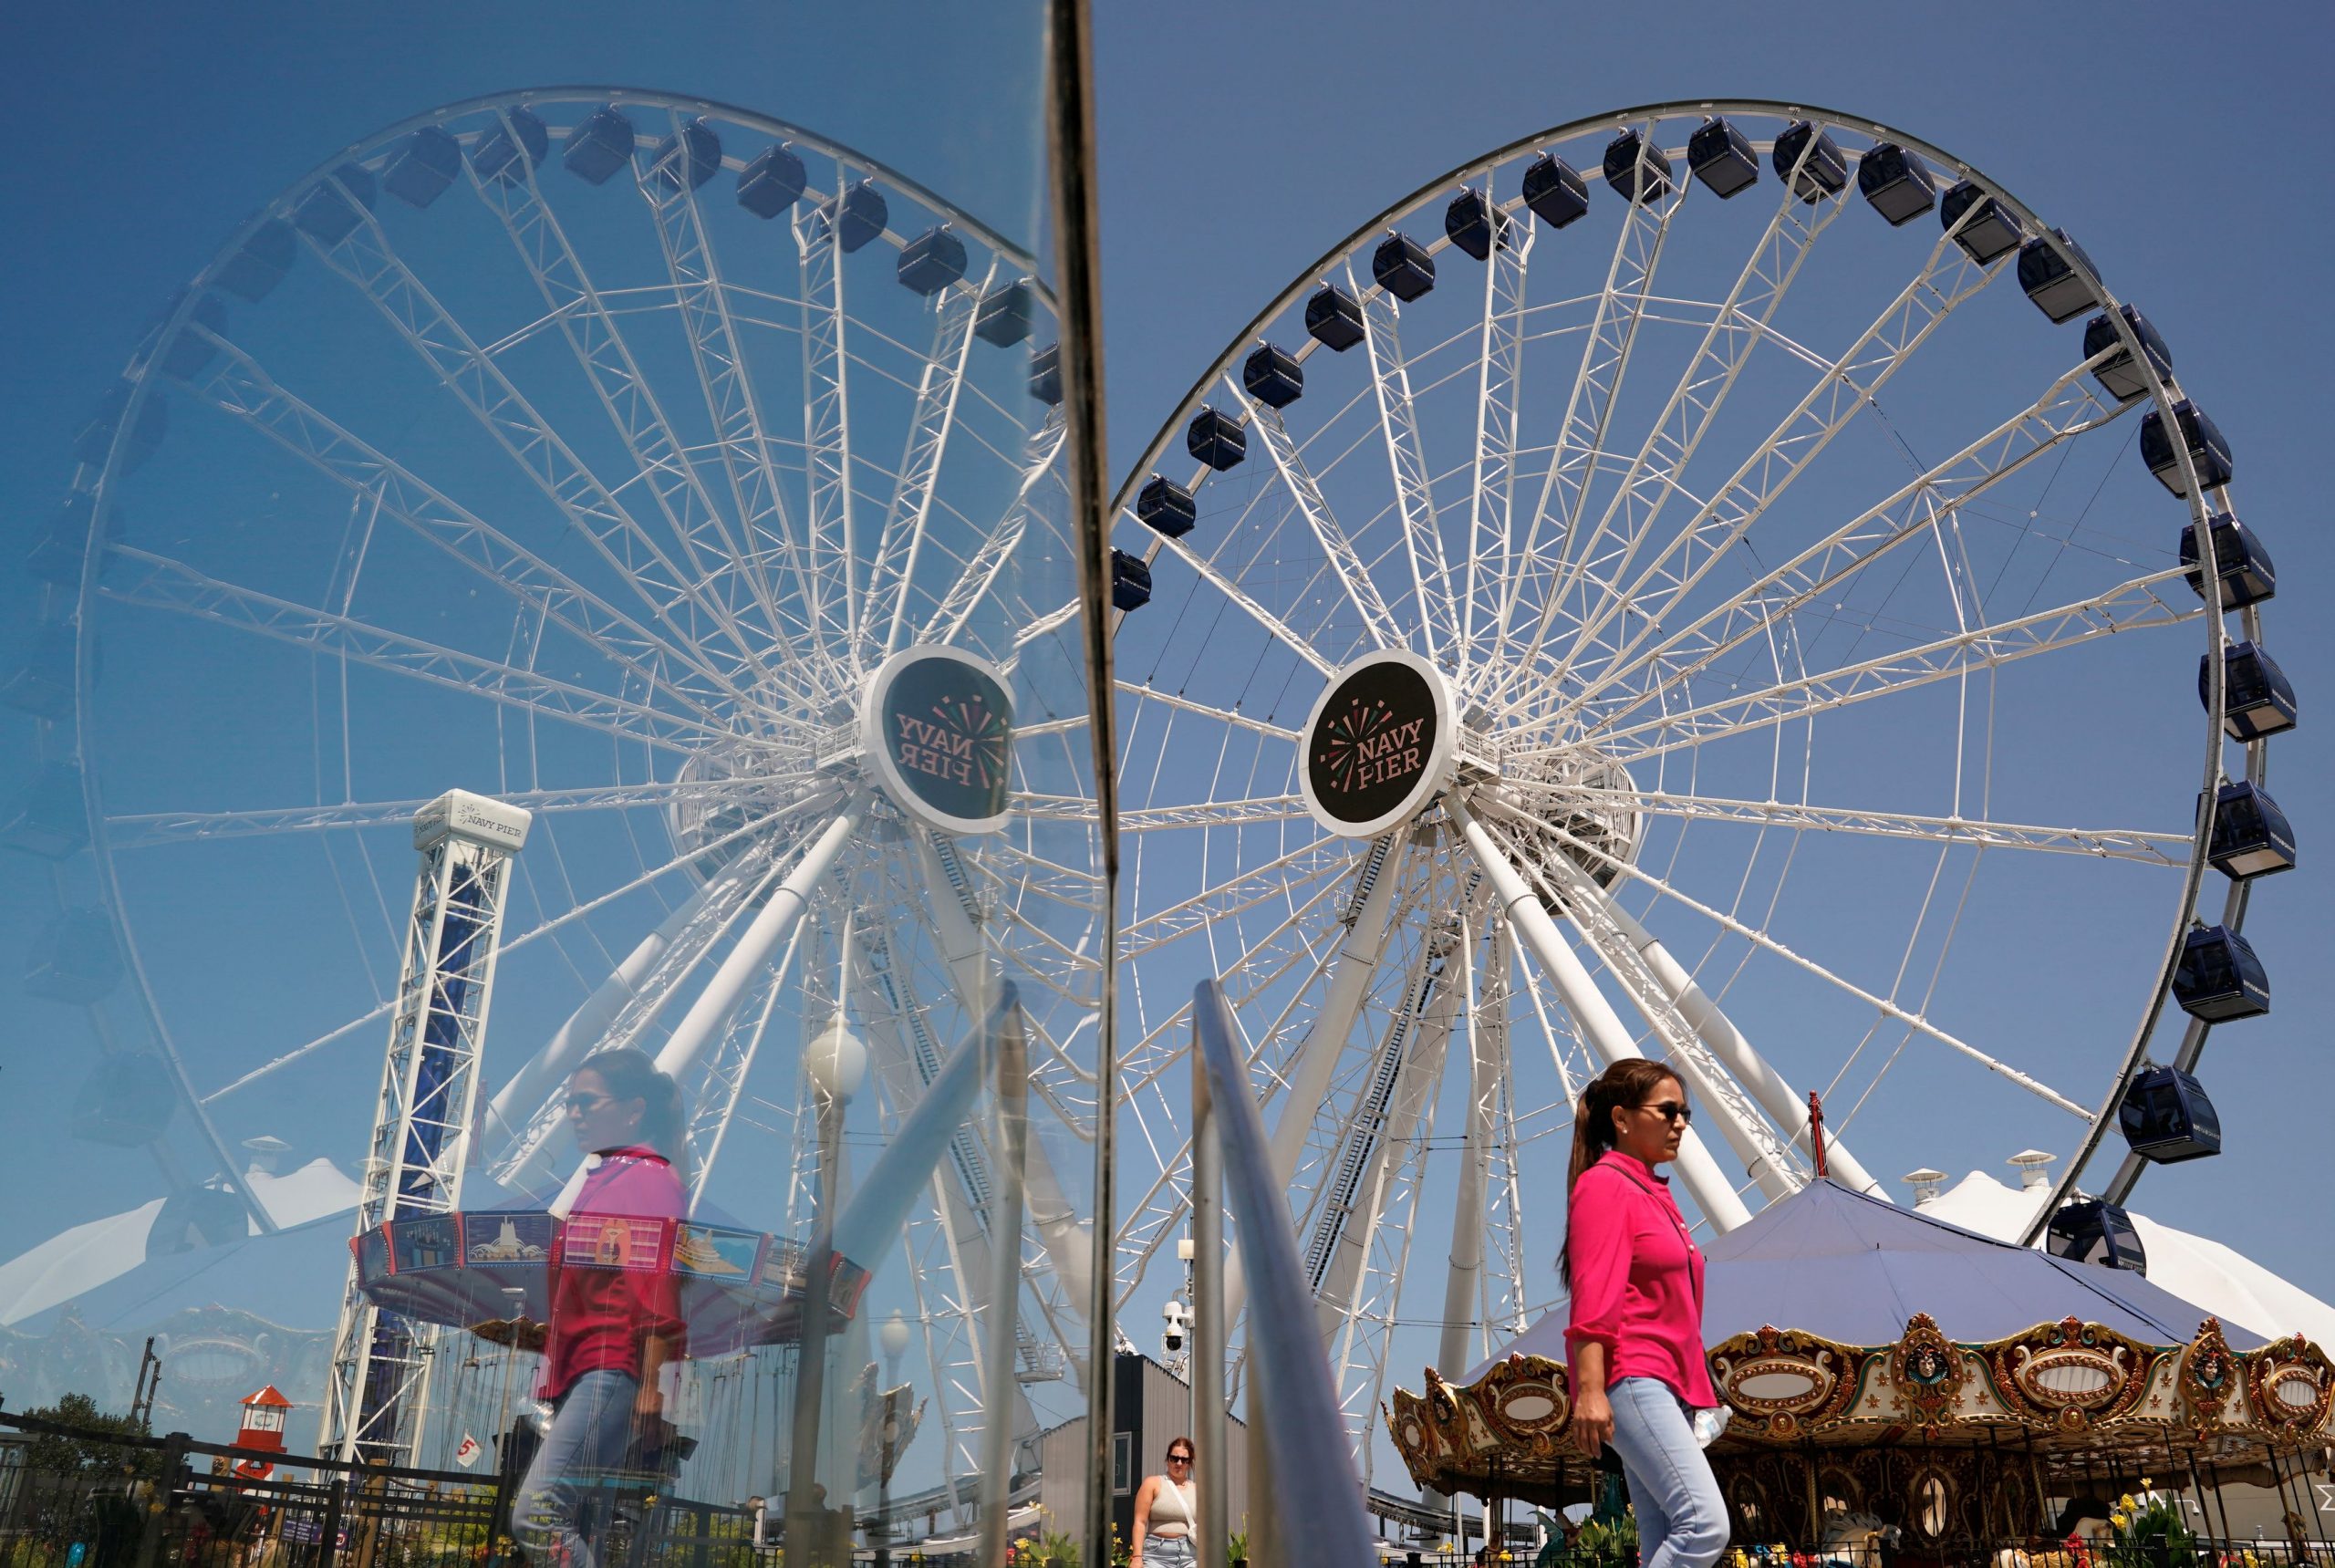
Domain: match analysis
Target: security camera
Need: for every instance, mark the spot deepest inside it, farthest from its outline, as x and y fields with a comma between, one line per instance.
x=1180, y=1319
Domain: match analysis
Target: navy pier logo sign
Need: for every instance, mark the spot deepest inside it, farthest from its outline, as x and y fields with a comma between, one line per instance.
x=938, y=730
x=1377, y=744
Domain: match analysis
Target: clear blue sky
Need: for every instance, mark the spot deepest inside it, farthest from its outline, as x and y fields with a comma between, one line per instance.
x=1236, y=142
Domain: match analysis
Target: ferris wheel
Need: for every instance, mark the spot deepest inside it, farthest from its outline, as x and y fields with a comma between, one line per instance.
x=683, y=477
x=1697, y=582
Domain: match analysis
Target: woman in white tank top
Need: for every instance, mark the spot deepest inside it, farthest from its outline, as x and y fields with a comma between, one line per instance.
x=1166, y=1514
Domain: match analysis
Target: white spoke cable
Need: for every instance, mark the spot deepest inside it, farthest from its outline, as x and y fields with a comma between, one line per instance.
x=1762, y=940
x=2108, y=842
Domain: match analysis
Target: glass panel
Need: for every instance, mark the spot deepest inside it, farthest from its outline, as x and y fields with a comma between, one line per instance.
x=658, y=462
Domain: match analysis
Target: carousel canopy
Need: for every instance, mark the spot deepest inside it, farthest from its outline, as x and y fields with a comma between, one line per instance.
x=1854, y=1269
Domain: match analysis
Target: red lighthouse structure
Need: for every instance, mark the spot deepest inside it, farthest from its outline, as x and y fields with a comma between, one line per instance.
x=262, y=1428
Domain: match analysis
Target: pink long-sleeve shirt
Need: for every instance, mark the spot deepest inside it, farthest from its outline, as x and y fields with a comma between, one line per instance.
x=1637, y=1279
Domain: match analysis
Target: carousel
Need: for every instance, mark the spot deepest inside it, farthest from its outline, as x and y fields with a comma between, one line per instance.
x=1939, y=1397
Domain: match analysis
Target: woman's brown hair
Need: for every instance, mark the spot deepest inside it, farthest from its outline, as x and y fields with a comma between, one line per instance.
x=1625, y=1083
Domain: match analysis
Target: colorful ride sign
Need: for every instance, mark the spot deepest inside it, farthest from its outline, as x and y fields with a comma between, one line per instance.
x=1377, y=744
x=937, y=729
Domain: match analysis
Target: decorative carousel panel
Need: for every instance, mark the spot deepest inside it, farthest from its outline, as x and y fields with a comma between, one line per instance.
x=2210, y=1381
x=1927, y=1369
x=2071, y=1375
x=1783, y=1383
x=2291, y=1384
x=1527, y=1401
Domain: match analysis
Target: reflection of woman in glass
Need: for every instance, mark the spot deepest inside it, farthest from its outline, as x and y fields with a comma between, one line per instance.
x=613, y=1327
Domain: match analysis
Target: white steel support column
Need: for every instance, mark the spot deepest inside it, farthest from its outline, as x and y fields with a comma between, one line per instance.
x=422, y=1130
x=1462, y=1284
x=777, y=918
x=1786, y=1106
x=1317, y=1056
x=1600, y=1027
x=514, y=1104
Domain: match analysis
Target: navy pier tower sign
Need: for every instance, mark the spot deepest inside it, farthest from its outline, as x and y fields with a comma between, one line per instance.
x=1377, y=745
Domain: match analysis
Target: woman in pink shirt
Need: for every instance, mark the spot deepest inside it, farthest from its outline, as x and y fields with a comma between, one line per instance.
x=614, y=1305
x=1636, y=1333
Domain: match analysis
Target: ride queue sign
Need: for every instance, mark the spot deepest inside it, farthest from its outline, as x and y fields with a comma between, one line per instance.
x=938, y=730
x=1377, y=744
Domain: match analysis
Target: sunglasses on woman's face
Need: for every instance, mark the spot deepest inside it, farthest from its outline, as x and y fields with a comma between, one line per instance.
x=1671, y=1111
x=1180, y=1459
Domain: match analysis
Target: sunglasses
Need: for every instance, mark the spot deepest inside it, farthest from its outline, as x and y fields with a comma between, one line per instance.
x=588, y=1103
x=1671, y=1111
x=1180, y=1459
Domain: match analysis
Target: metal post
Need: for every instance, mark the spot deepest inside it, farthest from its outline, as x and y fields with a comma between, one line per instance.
x=1005, y=1291
x=1209, y=1425
x=1264, y=1519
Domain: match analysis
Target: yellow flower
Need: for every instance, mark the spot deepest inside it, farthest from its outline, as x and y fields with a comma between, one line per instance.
x=2118, y=1520
x=2146, y=1483
x=2125, y=1502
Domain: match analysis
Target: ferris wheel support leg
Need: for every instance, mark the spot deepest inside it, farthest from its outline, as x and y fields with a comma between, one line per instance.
x=1317, y=1058
x=777, y=917
x=1462, y=1284
x=514, y=1104
x=1068, y=1243
x=1774, y=1093
x=1005, y=1284
x=1601, y=1026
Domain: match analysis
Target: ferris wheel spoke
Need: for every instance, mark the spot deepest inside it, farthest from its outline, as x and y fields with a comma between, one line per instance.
x=2067, y=410
x=602, y=351
x=1762, y=940
x=2128, y=607
x=981, y=572
x=242, y=390
x=156, y=582
x=365, y=258
x=1279, y=878
x=1286, y=808
x=1343, y=560
x=729, y=899
x=1491, y=490
x=893, y=573
x=1589, y=405
x=1399, y=430
x=720, y=359
x=139, y=830
x=2102, y=843
x=1737, y=329
x=1691, y=1044
x=1231, y=718
x=826, y=422
x=723, y=1084
x=1948, y=279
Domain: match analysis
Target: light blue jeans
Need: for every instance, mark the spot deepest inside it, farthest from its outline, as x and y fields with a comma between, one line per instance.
x=1682, y=1518
x=1168, y=1551
x=585, y=1439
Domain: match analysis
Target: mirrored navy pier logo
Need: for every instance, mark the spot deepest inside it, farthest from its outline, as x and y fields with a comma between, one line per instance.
x=1377, y=745
x=938, y=730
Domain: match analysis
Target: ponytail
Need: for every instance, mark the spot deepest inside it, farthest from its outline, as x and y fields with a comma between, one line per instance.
x=1625, y=1083
x=633, y=1074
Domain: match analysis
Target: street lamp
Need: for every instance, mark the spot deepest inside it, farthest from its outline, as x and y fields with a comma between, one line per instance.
x=894, y=1337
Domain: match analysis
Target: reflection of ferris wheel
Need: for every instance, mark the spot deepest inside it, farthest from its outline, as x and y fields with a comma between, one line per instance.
x=668, y=471
x=1630, y=598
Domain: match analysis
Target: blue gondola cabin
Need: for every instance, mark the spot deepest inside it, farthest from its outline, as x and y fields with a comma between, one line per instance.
x=2167, y=1118
x=2219, y=980
x=2257, y=698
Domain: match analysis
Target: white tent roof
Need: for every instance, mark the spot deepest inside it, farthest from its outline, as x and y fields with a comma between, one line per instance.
x=86, y=1256
x=2226, y=1283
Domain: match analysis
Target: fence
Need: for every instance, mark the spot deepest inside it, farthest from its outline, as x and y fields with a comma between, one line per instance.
x=74, y=1498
